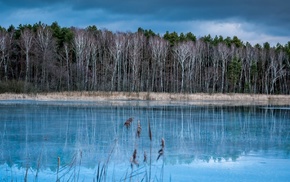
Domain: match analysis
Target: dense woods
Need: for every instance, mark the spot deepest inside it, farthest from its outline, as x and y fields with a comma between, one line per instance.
x=44, y=58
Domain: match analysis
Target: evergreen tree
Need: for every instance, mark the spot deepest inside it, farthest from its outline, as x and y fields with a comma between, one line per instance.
x=234, y=71
x=173, y=37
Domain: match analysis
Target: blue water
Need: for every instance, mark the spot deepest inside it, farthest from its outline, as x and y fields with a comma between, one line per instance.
x=68, y=141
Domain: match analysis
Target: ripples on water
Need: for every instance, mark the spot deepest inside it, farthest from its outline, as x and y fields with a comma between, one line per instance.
x=202, y=143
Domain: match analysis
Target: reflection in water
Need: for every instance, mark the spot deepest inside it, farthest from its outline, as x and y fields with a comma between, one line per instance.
x=33, y=136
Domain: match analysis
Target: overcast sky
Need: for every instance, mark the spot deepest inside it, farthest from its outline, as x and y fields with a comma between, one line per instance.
x=255, y=21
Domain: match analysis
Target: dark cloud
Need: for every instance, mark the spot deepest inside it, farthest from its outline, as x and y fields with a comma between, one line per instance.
x=272, y=15
x=30, y=3
x=266, y=13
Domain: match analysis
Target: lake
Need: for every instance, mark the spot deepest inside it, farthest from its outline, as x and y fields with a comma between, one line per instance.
x=88, y=141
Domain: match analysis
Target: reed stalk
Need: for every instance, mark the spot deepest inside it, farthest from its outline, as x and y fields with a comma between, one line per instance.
x=26, y=173
x=57, y=170
x=38, y=166
x=150, y=159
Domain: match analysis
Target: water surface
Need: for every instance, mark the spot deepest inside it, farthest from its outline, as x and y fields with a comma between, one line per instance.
x=68, y=141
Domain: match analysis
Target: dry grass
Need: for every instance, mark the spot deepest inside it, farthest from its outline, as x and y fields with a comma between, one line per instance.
x=197, y=99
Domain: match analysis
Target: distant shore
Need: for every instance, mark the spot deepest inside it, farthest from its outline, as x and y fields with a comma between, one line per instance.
x=194, y=99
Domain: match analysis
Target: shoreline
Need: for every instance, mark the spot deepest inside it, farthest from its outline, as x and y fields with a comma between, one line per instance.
x=233, y=99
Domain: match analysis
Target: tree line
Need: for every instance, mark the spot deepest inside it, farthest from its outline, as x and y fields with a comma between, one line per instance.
x=45, y=58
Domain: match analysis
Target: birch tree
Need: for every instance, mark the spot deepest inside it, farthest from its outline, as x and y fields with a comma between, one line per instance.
x=249, y=68
x=275, y=70
x=215, y=60
x=6, y=39
x=282, y=61
x=26, y=42
x=159, y=49
x=135, y=51
x=116, y=49
x=224, y=52
x=46, y=50
x=191, y=66
x=199, y=45
x=66, y=48
x=94, y=47
x=80, y=44
x=182, y=53
x=91, y=59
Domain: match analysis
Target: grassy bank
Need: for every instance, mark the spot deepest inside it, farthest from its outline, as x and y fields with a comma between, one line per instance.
x=198, y=98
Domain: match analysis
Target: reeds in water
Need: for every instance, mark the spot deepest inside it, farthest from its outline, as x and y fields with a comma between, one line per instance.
x=138, y=129
x=161, y=151
x=128, y=122
x=142, y=167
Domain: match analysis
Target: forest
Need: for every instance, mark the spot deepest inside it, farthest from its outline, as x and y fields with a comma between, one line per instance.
x=50, y=58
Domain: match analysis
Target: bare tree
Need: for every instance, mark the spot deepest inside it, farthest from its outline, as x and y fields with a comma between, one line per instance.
x=105, y=59
x=249, y=68
x=94, y=47
x=141, y=61
x=200, y=46
x=46, y=50
x=204, y=59
x=224, y=52
x=6, y=39
x=159, y=49
x=116, y=50
x=282, y=57
x=135, y=49
x=88, y=55
x=275, y=70
x=67, y=61
x=241, y=55
x=263, y=76
x=3, y=48
x=26, y=42
x=191, y=66
x=182, y=52
x=215, y=60
x=80, y=45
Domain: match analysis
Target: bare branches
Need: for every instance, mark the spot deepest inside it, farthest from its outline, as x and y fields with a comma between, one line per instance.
x=101, y=60
x=6, y=39
x=159, y=50
x=26, y=44
x=184, y=53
